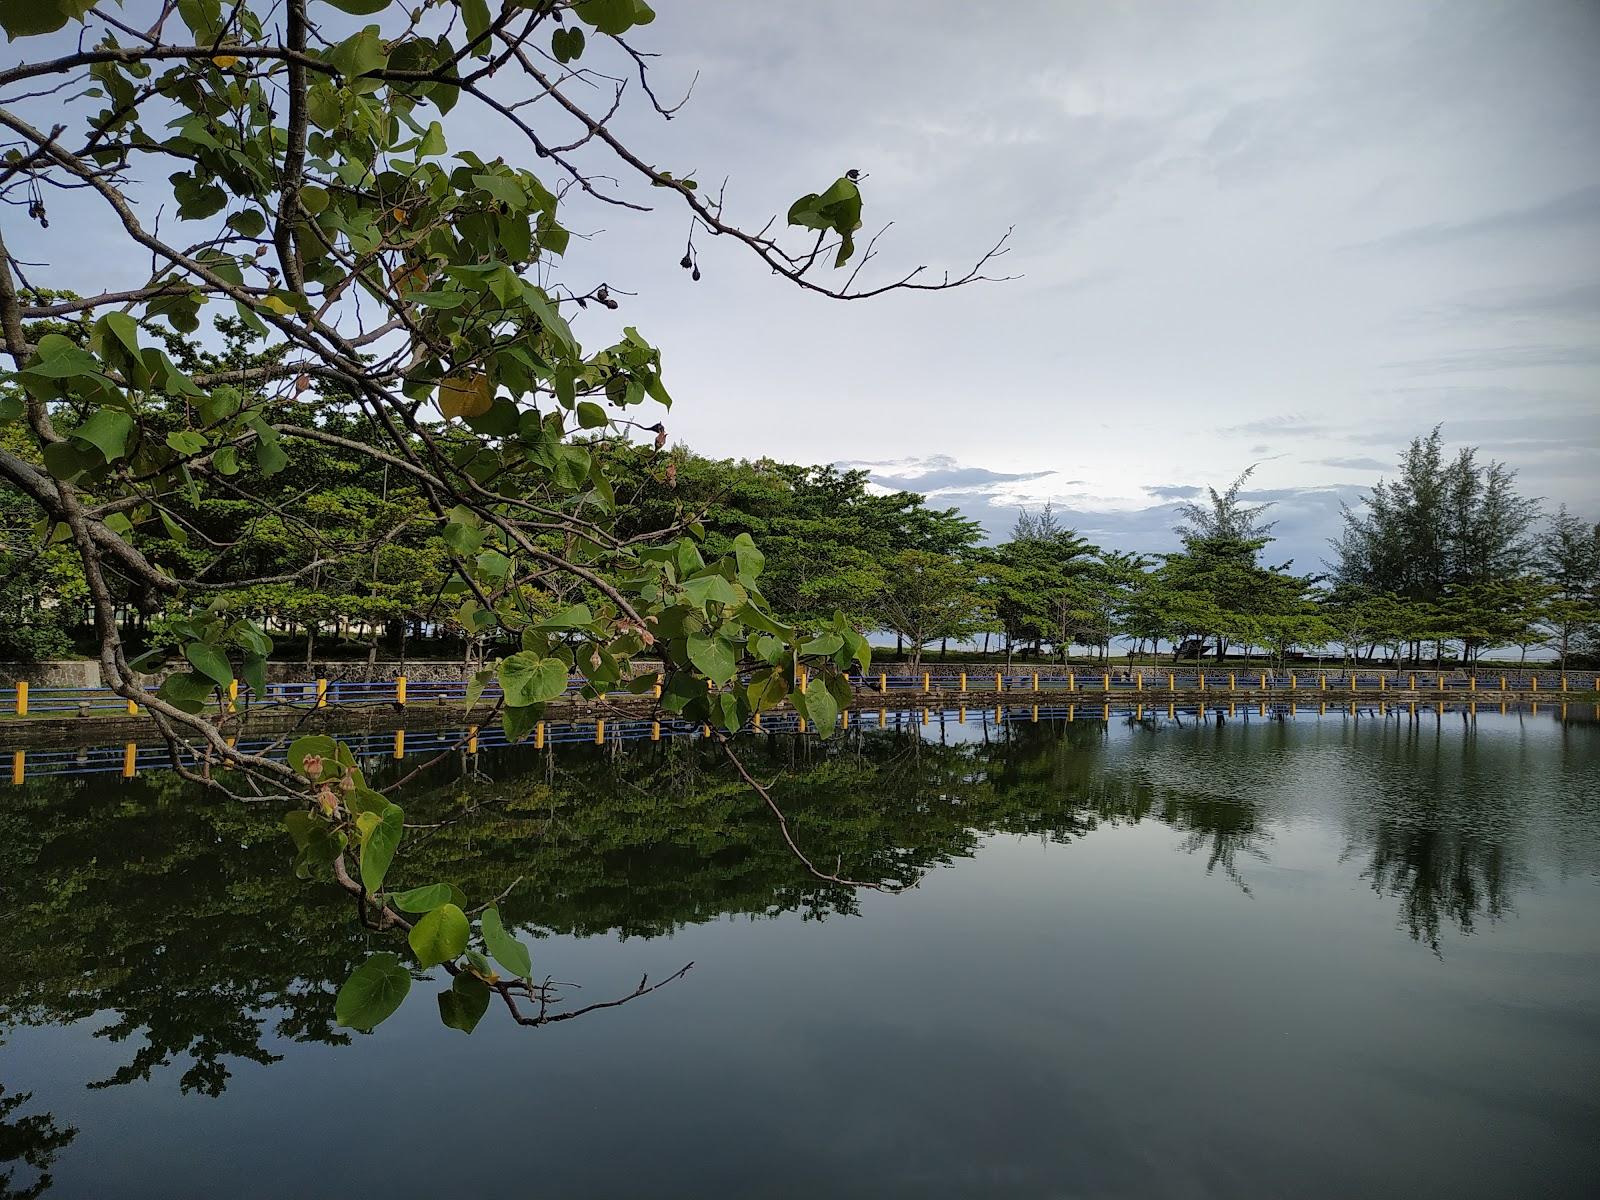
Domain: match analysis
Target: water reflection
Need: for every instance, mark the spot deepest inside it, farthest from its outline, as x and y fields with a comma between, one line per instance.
x=29, y=1143
x=177, y=916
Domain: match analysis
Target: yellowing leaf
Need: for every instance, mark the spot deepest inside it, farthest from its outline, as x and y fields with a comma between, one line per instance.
x=224, y=60
x=278, y=305
x=465, y=396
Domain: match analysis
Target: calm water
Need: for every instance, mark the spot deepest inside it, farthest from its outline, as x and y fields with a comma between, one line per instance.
x=1322, y=957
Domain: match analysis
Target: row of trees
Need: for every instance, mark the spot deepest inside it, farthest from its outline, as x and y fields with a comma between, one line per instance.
x=1444, y=560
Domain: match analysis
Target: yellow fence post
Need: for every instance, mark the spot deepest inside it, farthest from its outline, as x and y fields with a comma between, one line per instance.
x=19, y=766
x=1231, y=684
x=963, y=681
x=133, y=709
x=322, y=693
x=538, y=735
x=1172, y=681
x=400, y=689
x=1105, y=681
x=1202, y=677
x=883, y=681
x=655, y=731
x=1036, y=681
x=1414, y=681
x=1072, y=682
x=233, y=696
x=755, y=722
x=1534, y=680
x=1291, y=681
x=657, y=689
x=1383, y=683
x=600, y=732
x=130, y=756
x=22, y=697
x=844, y=719
x=1563, y=683
x=1472, y=684
x=802, y=725
x=999, y=682
x=1138, y=681
x=472, y=739
x=800, y=683
x=927, y=684
x=1441, y=683
x=1324, y=682
x=399, y=743
x=1263, y=682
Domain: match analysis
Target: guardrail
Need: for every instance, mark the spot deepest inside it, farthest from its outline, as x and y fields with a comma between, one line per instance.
x=130, y=758
x=24, y=701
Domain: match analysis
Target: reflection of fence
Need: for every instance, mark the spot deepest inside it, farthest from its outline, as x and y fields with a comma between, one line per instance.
x=130, y=758
x=322, y=693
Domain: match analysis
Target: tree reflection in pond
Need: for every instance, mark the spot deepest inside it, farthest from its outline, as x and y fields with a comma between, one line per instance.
x=176, y=914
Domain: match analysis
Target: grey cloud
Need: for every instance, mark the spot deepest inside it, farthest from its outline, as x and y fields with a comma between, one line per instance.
x=953, y=479
x=1173, y=491
x=1575, y=208
x=1500, y=358
x=1351, y=464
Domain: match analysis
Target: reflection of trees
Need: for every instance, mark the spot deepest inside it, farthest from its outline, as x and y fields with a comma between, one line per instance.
x=179, y=918
x=1436, y=824
x=32, y=1139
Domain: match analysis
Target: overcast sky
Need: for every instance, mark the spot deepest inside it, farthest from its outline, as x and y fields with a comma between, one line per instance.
x=1293, y=234
x=1288, y=233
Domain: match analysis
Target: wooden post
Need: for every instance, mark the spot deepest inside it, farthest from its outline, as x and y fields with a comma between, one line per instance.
x=22, y=702
x=400, y=690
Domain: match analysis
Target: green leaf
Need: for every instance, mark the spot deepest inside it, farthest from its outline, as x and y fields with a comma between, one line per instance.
x=186, y=690
x=360, y=8
x=107, y=431
x=518, y=723
x=440, y=936
x=820, y=708
x=822, y=645
x=711, y=588
x=428, y=897
x=358, y=53
x=186, y=442
x=528, y=679
x=591, y=415
x=373, y=992
x=432, y=142
x=379, y=846
x=210, y=662
x=574, y=616
x=749, y=559
x=507, y=950
x=712, y=657
x=270, y=457
x=463, y=1003
x=248, y=222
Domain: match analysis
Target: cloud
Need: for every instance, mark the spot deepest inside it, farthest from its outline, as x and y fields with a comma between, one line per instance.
x=1174, y=491
x=1575, y=208
x=1351, y=464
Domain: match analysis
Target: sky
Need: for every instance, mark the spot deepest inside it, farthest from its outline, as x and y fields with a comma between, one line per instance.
x=1294, y=235
x=1291, y=235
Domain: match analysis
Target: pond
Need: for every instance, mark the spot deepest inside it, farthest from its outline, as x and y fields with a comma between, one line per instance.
x=1313, y=956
